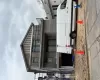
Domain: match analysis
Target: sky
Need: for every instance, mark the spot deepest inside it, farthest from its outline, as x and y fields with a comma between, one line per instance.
x=15, y=18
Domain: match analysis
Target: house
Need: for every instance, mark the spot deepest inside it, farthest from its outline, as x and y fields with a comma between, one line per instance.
x=50, y=7
x=39, y=49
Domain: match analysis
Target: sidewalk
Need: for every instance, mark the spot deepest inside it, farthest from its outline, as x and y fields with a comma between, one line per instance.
x=93, y=37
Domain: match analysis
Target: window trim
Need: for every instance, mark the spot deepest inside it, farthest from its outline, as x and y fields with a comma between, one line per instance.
x=36, y=39
x=35, y=46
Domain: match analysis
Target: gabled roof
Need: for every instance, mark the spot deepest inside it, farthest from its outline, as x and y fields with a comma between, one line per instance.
x=24, y=43
x=22, y=47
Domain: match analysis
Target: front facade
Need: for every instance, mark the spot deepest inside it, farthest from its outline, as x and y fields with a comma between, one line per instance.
x=39, y=49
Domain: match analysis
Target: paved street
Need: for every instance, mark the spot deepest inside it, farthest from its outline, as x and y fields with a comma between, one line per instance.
x=93, y=37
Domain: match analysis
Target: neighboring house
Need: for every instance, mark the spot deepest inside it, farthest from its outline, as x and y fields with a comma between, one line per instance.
x=50, y=7
x=39, y=49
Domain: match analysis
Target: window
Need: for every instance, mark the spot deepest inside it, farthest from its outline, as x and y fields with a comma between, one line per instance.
x=35, y=59
x=63, y=5
x=36, y=49
x=36, y=45
x=54, y=7
x=36, y=39
x=49, y=60
x=36, y=30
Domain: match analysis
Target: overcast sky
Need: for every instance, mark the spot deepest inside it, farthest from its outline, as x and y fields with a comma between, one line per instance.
x=15, y=18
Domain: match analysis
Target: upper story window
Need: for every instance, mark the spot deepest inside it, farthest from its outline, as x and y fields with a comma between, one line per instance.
x=36, y=30
x=63, y=5
x=36, y=39
x=36, y=45
x=54, y=7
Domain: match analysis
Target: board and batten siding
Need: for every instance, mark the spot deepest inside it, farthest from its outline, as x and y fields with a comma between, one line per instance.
x=50, y=26
x=27, y=45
